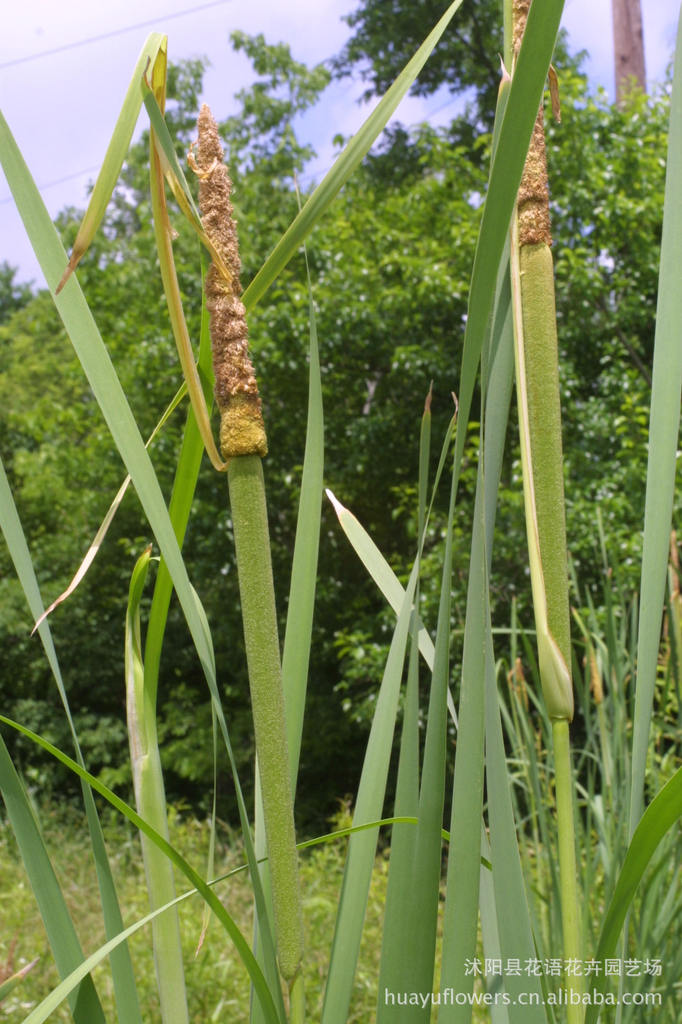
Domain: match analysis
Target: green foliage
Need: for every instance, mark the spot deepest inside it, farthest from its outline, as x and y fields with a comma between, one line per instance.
x=13, y=296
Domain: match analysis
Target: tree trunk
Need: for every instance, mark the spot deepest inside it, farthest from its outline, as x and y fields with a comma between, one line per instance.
x=628, y=45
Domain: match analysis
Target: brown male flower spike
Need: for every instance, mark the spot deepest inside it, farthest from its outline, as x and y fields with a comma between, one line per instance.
x=533, y=197
x=242, y=431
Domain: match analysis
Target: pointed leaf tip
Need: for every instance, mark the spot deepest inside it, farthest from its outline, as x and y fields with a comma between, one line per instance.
x=338, y=507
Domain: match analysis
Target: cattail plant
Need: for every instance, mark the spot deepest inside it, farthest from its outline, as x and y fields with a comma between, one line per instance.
x=488, y=898
x=537, y=378
x=243, y=444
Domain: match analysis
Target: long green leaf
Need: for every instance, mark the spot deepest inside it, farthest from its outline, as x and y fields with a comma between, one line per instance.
x=124, y=979
x=663, y=436
x=182, y=496
x=505, y=176
x=153, y=52
x=660, y=816
x=344, y=166
x=402, y=893
x=428, y=844
x=298, y=635
x=172, y=854
x=61, y=934
x=368, y=804
x=150, y=799
x=513, y=920
x=514, y=932
x=461, y=898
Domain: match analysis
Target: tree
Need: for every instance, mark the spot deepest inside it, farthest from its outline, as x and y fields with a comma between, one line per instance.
x=628, y=46
x=387, y=33
x=466, y=61
x=13, y=296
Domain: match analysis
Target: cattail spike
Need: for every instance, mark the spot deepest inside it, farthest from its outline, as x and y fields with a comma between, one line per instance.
x=242, y=431
x=533, y=197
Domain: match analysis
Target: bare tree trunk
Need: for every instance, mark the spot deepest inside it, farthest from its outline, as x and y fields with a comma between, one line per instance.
x=628, y=44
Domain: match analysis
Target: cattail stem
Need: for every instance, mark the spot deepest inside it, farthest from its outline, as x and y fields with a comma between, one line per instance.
x=570, y=920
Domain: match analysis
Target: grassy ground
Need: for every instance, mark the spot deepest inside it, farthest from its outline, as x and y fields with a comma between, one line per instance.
x=217, y=983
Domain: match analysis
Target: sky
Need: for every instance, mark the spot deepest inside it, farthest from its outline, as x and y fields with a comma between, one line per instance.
x=65, y=68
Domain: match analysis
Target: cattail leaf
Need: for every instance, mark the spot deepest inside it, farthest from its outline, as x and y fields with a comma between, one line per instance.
x=513, y=918
x=403, y=954
x=298, y=634
x=150, y=800
x=378, y=568
x=521, y=108
x=663, y=444
x=461, y=898
x=661, y=815
x=163, y=234
x=172, y=854
x=40, y=873
x=66, y=949
x=343, y=167
x=173, y=173
x=368, y=805
x=153, y=54
x=428, y=844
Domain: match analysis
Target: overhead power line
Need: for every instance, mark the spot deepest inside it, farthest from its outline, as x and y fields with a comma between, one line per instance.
x=110, y=35
x=57, y=181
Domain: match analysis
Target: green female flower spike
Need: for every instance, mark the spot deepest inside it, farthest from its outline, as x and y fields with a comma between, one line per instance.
x=250, y=522
x=243, y=443
x=544, y=416
x=538, y=373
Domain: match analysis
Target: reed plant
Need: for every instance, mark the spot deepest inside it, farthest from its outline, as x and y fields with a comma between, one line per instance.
x=526, y=882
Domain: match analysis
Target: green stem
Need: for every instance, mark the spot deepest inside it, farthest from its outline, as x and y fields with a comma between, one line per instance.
x=150, y=800
x=575, y=1012
x=296, y=999
x=256, y=589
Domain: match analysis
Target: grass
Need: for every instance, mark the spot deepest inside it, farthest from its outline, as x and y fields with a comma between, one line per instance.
x=216, y=979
